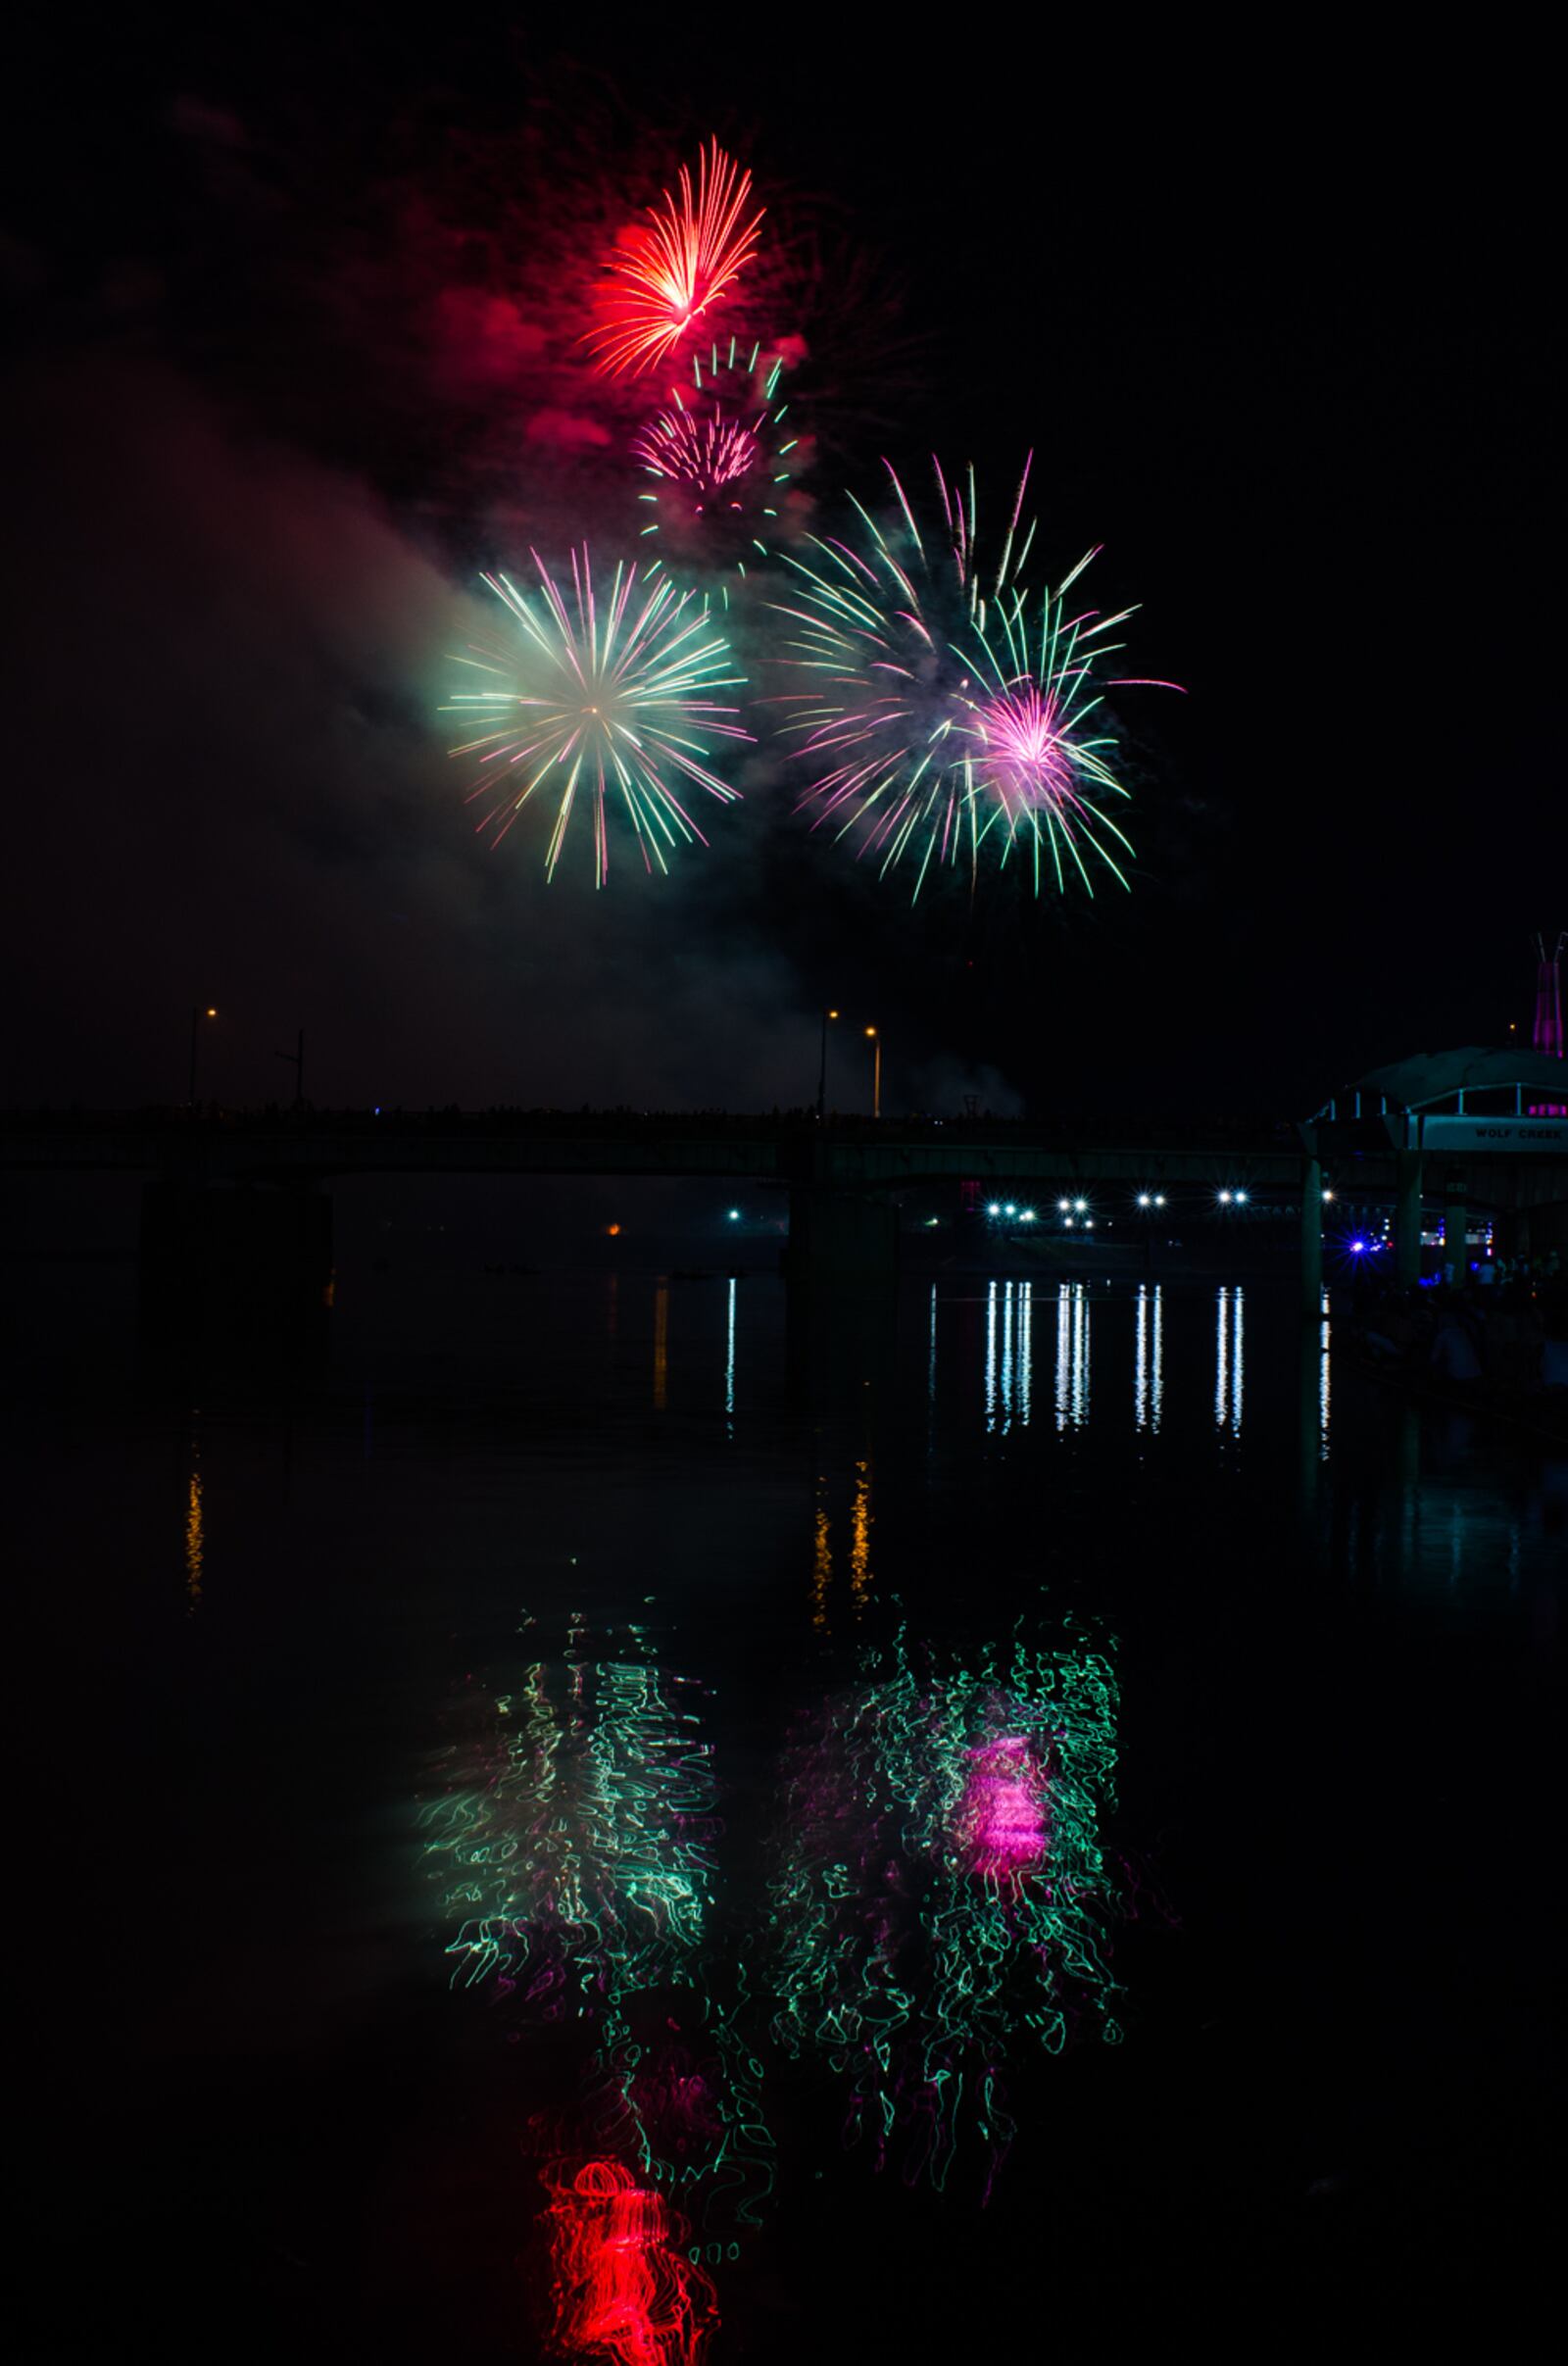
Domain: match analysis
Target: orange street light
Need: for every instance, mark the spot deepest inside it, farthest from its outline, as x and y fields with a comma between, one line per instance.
x=821, y=1073
x=877, y=1071
x=198, y=1011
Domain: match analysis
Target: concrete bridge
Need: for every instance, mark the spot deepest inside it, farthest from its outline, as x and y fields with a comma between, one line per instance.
x=852, y=1153
x=236, y=1210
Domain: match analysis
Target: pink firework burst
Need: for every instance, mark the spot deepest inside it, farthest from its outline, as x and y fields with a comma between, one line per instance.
x=703, y=454
x=667, y=272
x=721, y=455
x=1021, y=752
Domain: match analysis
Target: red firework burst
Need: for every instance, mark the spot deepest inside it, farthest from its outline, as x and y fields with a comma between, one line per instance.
x=665, y=275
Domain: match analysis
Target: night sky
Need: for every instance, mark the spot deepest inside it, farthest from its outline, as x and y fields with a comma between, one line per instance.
x=286, y=297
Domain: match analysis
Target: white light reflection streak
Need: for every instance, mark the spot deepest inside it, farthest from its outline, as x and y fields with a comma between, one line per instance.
x=1323, y=1383
x=1238, y=1355
x=1073, y=1354
x=931, y=1368
x=1229, y=1360
x=1026, y=1351
x=1063, y=1352
x=1008, y=1375
x=1141, y=1361
x=729, y=1367
x=1156, y=1377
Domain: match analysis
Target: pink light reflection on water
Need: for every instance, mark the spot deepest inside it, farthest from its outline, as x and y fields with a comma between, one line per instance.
x=1003, y=1824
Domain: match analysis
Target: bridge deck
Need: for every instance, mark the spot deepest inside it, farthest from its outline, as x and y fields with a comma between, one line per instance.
x=849, y=1154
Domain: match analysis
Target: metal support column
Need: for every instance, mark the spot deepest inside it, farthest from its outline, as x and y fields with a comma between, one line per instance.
x=1407, y=1218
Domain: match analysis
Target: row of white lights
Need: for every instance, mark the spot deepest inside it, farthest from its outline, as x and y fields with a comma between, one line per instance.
x=1080, y=1208
x=1145, y=1198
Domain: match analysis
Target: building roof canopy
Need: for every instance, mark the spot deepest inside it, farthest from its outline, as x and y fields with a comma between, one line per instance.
x=1430, y=1076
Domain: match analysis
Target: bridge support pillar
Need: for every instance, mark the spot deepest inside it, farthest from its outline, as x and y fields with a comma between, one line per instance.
x=1313, y=1239
x=1456, y=1227
x=1408, y=1218
x=841, y=1239
x=239, y=1270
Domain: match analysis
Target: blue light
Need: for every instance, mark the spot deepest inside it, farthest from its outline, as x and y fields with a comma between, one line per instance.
x=734, y=1215
x=1011, y=1209
x=1356, y=1248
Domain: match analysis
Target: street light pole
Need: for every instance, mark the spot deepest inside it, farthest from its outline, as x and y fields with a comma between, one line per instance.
x=198, y=1011
x=821, y=1073
x=877, y=1071
x=296, y=1061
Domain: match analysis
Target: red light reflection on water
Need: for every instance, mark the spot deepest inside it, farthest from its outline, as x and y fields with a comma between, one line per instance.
x=624, y=2290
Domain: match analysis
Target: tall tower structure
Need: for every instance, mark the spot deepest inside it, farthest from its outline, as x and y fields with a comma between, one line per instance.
x=1547, y=1035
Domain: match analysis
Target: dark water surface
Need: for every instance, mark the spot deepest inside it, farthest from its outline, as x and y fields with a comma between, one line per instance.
x=1028, y=1825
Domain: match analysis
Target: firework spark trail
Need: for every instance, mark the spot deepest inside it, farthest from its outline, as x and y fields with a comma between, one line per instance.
x=609, y=701
x=941, y=1884
x=956, y=710
x=667, y=273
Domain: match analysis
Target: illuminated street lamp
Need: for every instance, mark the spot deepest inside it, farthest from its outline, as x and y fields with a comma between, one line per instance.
x=877, y=1071
x=199, y=1011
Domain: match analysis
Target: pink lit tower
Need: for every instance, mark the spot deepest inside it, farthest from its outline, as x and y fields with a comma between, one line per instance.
x=1547, y=1037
